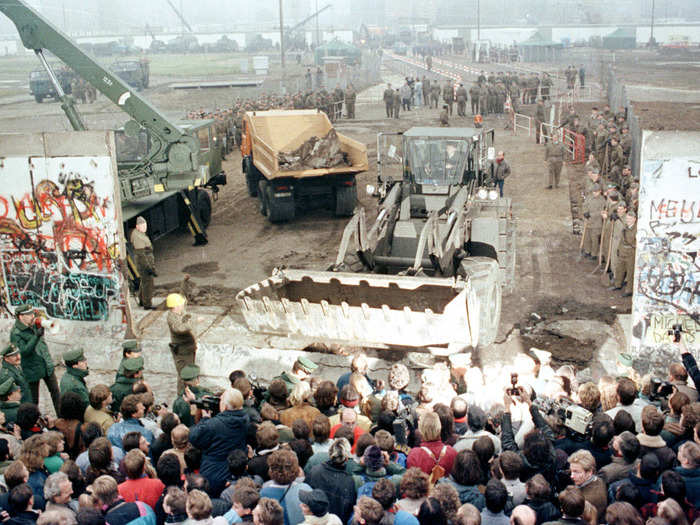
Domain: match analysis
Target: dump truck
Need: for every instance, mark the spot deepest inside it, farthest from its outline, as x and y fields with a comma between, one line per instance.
x=428, y=273
x=164, y=167
x=269, y=138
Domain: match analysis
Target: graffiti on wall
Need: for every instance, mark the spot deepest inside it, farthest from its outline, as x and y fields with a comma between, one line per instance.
x=59, y=233
x=667, y=278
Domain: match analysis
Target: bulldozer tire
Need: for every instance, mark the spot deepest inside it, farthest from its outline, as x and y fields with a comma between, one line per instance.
x=262, y=197
x=252, y=177
x=278, y=210
x=483, y=272
x=203, y=208
x=345, y=199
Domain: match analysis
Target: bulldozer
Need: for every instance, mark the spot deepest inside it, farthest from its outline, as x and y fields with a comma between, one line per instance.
x=430, y=270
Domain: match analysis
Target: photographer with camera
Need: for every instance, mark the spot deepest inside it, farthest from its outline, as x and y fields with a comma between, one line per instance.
x=217, y=436
x=27, y=334
x=184, y=405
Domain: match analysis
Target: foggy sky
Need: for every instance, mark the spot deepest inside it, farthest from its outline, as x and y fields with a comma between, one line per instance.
x=129, y=16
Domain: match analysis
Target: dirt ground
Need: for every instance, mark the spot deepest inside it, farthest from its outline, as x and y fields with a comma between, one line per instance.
x=552, y=283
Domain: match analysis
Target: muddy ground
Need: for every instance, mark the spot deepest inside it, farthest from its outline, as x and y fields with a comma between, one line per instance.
x=552, y=283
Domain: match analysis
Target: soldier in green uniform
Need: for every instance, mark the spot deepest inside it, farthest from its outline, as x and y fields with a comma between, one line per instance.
x=448, y=96
x=396, y=104
x=474, y=95
x=10, y=395
x=124, y=385
x=36, y=360
x=145, y=262
x=76, y=372
x=11, y=367
x=554, y=157
x=444, y=117
x=461, y=100
x=350, y=97
x=389, y=101
x=624, y=269
x=301, y=370
x=182, y=406
x=593, y=207
x=182, y=342
x=130, y=350
x=434, y=95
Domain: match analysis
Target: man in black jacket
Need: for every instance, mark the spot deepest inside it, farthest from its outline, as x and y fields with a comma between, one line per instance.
x=219, y=435
x=332, y=478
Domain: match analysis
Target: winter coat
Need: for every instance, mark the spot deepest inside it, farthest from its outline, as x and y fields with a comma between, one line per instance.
x=217, y=437
x=338, y=485
x=419, y=457
x=36, y=360
x=74, y=381
x=467, y=493
x=545, y=511
x=692, y=484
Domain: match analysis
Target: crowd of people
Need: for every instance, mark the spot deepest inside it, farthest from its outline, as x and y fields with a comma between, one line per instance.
x=467, y=447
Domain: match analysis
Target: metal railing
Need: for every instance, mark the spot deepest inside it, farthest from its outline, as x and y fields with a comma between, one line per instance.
x=522, y=122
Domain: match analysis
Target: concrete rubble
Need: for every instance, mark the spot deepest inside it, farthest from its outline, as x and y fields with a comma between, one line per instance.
x=315, y=153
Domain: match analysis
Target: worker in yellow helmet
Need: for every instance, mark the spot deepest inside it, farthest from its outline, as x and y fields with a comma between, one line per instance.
x=182, y=342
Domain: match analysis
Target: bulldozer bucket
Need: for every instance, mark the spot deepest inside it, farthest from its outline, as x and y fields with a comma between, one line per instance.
x=364, y=309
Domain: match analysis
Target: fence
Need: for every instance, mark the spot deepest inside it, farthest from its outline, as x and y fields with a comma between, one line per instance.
x=522, y=122
x=617, y=97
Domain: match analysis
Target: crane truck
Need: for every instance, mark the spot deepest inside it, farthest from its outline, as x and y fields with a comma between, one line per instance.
x=164, y=167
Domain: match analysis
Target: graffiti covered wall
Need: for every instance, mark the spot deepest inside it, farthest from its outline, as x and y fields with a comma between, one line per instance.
x=60, y=228
x=667, y=274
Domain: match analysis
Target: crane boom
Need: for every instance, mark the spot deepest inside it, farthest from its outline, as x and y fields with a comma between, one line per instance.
x=180, y=16
x=173, y=150
x=310, y=17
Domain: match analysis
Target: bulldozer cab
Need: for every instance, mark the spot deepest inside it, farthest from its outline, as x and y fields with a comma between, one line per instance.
x=433, y=160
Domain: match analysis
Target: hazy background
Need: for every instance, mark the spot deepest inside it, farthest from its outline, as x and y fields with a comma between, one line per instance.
x=81, y=17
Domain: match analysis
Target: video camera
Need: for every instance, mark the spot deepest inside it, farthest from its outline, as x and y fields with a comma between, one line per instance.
x=514, y=390
x=659, y=389
x=258, y=389
x=676, y=331
x=574, y=417
x=210, y=403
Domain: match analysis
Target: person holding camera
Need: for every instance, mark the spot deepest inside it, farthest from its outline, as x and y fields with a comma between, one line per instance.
x=217, y=436
x=184, y=406
x=145, y=262
x=27, y=334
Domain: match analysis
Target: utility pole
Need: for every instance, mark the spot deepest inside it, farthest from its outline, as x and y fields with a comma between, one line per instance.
x=478, y=19
x=651, y=39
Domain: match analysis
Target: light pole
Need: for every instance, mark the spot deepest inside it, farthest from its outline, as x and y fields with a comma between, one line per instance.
x=651, y=38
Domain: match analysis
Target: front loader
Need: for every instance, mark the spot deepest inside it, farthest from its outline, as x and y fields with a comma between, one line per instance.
x=430, y=270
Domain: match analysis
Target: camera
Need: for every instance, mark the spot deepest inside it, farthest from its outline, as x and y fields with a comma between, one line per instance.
x=659, y=389
x=210, y=403
x=676, y=331
x=258, y=389
x=514, y=390
x=578, y=419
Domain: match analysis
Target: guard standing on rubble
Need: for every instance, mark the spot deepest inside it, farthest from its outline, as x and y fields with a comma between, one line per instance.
x=183, y=344
x=554, y=157
x=145, y=262
x=624, y=269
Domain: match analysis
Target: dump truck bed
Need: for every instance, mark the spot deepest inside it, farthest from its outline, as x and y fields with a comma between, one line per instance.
x=278, y=131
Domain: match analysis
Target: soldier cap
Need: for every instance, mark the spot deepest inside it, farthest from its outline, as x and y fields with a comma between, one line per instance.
x=306, y=364
x=9, y=350
x=73, y=356
x=140, y=220
x=133, y=364
x=8, y=386
x=132, y=345
x=24, y=309
x=189, y=372
x=625, y=359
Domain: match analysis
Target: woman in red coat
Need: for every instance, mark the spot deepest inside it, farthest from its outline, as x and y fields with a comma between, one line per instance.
x=432, y=451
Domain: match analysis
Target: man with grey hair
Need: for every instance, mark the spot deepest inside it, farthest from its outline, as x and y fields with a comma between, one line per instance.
x=58, y=490
x=217, y=436
x=332, y=478
x=523, y=515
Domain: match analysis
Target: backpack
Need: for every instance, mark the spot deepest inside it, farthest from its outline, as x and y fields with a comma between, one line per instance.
x=438, y=470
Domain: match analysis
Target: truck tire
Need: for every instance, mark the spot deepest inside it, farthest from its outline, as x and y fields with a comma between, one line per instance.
x=202, y=206
x=262, y=197
x=484, y=275
x=345, y=200
x=278, y=210
x=252, y=177
x=38, y=98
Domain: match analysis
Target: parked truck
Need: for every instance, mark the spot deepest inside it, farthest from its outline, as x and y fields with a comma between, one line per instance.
x=136, y=73
x=165, y=168
x=427, y=273
x=40, y=86
x=268, y=134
